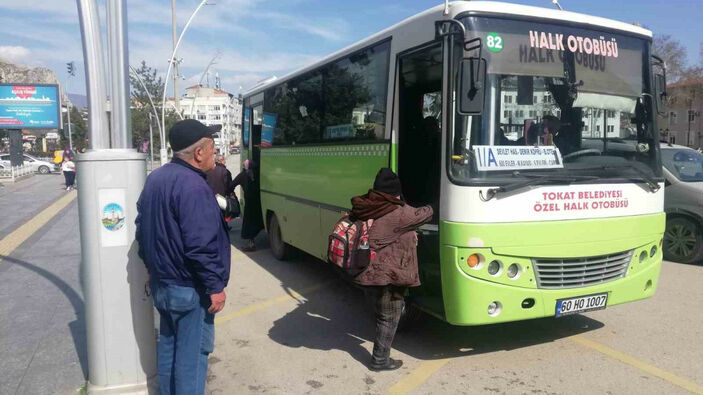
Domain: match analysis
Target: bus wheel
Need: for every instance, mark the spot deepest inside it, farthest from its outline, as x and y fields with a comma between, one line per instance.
x=279, y=248
x=683, y=241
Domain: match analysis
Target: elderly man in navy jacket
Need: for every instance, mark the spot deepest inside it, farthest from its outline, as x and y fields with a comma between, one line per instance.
x=184, y=243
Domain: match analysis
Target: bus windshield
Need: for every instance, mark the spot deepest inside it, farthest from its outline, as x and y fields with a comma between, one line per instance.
x=575, y=96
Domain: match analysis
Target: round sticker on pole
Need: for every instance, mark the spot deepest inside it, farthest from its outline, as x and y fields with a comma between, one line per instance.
x=113, y=217
x=494, y=42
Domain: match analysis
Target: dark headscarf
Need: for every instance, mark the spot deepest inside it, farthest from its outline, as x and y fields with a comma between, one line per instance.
x=387, y=182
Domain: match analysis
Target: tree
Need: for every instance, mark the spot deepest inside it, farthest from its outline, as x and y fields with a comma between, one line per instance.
x=673, y=53
x=141, y=106
x=79, y=130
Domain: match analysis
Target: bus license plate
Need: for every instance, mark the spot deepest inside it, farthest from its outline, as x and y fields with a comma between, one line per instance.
x=581, y=304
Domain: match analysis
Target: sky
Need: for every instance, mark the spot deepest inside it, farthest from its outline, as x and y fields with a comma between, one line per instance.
x=257, y=39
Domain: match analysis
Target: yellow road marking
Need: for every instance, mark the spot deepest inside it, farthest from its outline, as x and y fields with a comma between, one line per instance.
x=24, y=232
x=417, y=376
x=634, y=362
x=271, y=302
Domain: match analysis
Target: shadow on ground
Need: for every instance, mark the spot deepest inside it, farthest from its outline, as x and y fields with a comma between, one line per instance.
x=339, y=316
x=77, y=327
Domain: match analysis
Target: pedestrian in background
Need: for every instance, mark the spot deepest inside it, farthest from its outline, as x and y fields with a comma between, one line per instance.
x=185, y=246
x=219, y=178
x=252, y=222
x=394, y=268
x=69, y=172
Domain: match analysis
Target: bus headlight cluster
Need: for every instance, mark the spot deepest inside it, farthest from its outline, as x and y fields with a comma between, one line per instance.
x=647, y=254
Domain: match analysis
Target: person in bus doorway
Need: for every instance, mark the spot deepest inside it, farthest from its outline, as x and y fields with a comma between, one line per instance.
x=185, y=246
x=252, y=222
x=392, y=237
x=69, y=172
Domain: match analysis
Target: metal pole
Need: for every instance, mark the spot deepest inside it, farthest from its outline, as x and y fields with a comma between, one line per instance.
x=119, y=314
x=119, y=72
x=175, y=70
x=200, y=82
x=94, y=73
x=163, y=152
x=68, y=112
x=151, y=143
x=688, y=118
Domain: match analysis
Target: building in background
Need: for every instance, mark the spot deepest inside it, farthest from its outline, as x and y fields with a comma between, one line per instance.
x=214, y=107
x=683, y=123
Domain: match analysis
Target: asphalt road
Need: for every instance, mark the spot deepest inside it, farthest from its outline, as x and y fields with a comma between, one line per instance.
x=295, y=328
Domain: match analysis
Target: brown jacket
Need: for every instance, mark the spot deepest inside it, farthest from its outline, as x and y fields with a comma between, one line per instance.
x=394, y=240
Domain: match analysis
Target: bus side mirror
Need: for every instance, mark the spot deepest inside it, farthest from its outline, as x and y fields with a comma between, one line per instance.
x=660, y=95
x=472, y=79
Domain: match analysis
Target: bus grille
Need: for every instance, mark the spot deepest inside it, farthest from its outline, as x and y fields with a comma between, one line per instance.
x=579, y=272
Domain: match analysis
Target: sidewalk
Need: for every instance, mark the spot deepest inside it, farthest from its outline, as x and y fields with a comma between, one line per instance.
x=22, y=200
x=42, y=327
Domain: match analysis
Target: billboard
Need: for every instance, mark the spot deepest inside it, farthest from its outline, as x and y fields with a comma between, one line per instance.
x=29, y=106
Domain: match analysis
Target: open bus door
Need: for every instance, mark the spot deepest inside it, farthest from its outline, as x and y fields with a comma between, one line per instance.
x=419, y=103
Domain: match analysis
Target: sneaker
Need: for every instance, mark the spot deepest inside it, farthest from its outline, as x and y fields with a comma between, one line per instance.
x=392, y=364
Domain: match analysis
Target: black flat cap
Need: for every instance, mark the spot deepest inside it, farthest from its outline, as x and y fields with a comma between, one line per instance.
x=187, y=132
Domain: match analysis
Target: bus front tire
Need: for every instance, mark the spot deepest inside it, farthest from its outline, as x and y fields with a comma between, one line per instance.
x=683, y=240
x=279, y=248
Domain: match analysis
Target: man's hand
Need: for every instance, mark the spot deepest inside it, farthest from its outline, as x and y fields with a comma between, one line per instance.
x=217, y=302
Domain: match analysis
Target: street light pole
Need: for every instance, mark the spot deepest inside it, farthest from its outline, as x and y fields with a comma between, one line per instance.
x=119, y=313
x=175, y=67
x=163, y=151
x=70, y=139
x=688, y=118
x=68, y=114
x=151, y=142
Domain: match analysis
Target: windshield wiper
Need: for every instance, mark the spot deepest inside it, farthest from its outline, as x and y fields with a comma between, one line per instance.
x=645, y=178
x=535, y=180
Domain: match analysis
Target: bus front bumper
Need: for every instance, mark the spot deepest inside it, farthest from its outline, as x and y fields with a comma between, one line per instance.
x=467, y=298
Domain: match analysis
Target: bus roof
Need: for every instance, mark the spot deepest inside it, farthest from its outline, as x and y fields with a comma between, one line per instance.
x=461, y=7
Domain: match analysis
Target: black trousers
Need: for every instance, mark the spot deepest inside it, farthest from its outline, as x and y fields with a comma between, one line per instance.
x=70, y=177
x=389, y=303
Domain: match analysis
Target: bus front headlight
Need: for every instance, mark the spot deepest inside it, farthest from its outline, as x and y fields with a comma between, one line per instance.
x=513, y=271
x=494, y=268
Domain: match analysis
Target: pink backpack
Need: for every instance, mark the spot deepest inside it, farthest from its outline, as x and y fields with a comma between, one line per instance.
x=349, y=247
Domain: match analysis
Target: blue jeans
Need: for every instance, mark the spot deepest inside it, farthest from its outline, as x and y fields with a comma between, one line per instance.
x=186, y=338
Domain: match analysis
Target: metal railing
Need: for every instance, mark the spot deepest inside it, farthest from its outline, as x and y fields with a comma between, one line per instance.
x=15, y=172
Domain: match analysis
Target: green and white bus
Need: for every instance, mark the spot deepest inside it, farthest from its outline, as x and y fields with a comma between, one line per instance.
x=532, y=129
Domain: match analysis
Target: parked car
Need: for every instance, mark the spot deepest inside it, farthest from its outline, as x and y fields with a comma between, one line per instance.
x=37, y=164
x=683, y=203
x=234, y=149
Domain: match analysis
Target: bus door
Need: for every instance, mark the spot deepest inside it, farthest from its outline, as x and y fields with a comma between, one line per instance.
x=419, y=155
x=246, y=131
x=256, y=121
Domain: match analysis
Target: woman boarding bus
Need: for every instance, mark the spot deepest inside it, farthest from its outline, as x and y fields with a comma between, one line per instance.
x=543, y=156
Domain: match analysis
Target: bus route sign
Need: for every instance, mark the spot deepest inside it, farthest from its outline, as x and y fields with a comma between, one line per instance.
x=492, y=158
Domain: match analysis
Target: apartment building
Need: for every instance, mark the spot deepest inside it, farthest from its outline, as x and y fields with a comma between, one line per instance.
x=214, y=107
